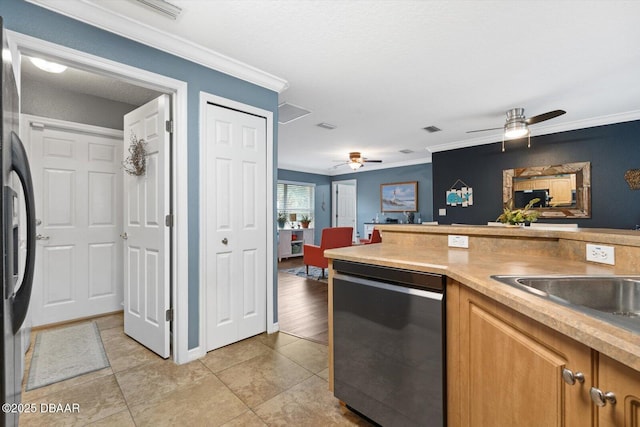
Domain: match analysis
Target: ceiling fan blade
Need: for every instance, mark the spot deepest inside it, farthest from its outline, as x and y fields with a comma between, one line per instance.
x=546, y=116
x=482, y=130
x=372, y=161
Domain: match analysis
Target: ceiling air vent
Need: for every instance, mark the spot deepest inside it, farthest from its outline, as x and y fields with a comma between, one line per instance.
x=406, y=151
x=324, y=125
x=163, y=7
x=432, y=129
x=289, y=112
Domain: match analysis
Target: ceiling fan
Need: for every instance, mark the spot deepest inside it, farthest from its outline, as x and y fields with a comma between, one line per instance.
x=517, y=125
x=356, y=161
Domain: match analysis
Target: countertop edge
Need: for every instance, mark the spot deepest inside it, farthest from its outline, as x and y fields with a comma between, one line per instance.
x=615, y=342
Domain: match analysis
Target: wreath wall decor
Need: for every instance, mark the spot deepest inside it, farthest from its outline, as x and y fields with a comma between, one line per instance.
x=136, y=163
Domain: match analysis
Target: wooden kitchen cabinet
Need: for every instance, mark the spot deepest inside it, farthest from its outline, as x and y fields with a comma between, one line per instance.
x=505, y=369
x=624, y=383
x=560, y=191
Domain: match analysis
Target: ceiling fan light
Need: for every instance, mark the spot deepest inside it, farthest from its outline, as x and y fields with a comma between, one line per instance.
x=515, y=129
x=355, y=165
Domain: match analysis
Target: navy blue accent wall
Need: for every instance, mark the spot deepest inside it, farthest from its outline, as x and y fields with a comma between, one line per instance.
x=38, y=22
x=611, y=149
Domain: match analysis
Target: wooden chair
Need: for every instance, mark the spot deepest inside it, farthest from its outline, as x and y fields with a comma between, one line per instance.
x=333, y=237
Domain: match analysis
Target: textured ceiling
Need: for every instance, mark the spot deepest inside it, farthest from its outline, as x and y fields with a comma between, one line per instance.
x=382, y=70
x=85, y=82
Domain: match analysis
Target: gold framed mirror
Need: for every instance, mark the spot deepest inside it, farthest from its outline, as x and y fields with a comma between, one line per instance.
x=564, y=190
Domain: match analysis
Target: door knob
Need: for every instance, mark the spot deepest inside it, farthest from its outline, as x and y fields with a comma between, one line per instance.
x=570, y=378
x=600, y=398
x=38, y=221
x=41, y=237
x=124, y=236
x=225, y=241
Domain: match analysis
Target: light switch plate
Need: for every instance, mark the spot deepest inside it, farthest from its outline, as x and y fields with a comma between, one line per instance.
x=456, y=241
x=601, y=253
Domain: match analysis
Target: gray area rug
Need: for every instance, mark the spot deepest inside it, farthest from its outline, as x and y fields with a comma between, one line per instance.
x=64, y=353
x=315, y=273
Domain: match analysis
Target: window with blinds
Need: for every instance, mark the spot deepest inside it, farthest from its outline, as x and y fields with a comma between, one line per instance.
x=295, y=200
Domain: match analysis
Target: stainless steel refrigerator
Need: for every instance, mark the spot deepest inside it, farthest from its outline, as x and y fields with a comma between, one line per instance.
x=15, y=296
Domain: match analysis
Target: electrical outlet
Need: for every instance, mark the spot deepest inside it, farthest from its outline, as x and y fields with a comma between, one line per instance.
x=442, y=212
x=458, y=241
x=601, y=253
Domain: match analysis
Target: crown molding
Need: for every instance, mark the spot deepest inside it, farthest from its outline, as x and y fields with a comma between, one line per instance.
x=542, y=130
x=95, y=15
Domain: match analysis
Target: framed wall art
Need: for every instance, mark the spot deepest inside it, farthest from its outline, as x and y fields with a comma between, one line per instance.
x=399, y=197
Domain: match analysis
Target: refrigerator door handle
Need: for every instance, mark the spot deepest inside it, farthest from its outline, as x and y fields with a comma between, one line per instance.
x=20, y=164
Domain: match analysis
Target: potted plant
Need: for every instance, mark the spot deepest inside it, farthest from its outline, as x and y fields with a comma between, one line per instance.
x=305, y=220
x=519, y=216
x=282, y=219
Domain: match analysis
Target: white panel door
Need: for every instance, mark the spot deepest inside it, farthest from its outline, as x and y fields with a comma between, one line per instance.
x=235, y=230
x=77, y=180
x=346, y=207
x=146, y=237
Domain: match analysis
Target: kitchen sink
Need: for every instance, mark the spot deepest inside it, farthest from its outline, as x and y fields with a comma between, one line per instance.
x=614, y=299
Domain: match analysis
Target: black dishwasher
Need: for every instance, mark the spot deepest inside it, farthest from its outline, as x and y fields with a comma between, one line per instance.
x=389, y=343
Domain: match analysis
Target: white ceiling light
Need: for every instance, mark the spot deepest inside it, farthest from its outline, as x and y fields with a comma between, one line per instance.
x=48, y=66
x=355, y=165
x=167, y=9
x=516, y=126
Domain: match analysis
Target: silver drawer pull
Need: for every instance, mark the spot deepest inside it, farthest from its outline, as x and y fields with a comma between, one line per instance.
x=570, y=378
x=600, y=398
x=41, y=237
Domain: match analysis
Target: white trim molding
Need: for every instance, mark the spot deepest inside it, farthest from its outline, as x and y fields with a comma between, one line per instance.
x=180, y=233
x=94, y=14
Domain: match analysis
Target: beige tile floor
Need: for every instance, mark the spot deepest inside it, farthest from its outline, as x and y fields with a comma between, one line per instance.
x=267, y=380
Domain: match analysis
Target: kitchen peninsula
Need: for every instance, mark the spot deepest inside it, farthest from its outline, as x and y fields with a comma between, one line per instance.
x=511, y=356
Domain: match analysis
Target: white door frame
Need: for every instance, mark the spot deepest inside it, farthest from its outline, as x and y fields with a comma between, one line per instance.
x=268, y=115
x=179, y=234
x=334, y=202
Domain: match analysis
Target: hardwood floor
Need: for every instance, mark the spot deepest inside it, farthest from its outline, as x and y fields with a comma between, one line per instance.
x=302, y=304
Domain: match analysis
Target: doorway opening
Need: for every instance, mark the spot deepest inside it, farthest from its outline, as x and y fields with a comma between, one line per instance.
x=144, y=84
x=344, y=205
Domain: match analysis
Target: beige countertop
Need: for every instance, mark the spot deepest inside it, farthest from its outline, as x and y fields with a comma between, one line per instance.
x=473, y=268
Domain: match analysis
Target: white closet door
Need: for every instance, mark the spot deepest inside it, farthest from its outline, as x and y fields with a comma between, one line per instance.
x=235, y=230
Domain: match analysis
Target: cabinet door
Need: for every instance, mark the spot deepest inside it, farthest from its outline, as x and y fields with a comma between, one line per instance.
x=560, y=190
x=523, y=185
x=507, y=369
x=624, y=383
x=284, y=243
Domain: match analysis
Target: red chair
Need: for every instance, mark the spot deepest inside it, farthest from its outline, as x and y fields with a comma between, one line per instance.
x=375, y=238
x=334, y=237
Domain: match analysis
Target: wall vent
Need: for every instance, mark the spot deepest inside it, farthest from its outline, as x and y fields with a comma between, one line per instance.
x=432, y=129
